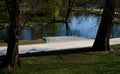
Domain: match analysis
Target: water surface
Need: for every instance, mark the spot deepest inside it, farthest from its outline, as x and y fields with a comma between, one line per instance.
x=83, y=26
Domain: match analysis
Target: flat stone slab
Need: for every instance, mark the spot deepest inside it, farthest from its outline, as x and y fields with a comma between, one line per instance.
x=58, y=43
x=64, y=39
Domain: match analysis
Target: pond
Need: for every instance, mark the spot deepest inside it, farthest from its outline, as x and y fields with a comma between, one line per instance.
x=83, y=26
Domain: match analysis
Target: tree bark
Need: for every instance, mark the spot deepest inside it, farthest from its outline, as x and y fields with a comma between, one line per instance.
x=12, y=57
x=102, y=39
x=70, y=6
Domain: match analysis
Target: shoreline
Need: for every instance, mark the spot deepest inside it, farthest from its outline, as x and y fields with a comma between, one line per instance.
x=25, y=42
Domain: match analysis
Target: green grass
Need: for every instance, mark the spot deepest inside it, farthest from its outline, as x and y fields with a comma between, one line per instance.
x=80, y=62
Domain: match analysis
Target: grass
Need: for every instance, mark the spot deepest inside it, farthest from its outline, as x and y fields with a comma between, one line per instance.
x=76, y=61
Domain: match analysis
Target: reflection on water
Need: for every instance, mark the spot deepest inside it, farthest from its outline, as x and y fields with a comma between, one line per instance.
x=26, y=33
x=116, y=30
x=85, y=26
x=3, y=34
x=31, y=33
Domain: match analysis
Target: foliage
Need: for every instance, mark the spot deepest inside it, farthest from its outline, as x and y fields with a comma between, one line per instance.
x=41, y=9
x=38, y=10
x=3, y=12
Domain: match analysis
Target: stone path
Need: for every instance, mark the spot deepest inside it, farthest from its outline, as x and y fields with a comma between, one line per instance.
x=58, y=43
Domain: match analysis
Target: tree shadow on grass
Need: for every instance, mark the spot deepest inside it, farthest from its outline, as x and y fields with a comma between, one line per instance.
x=1, y=62
x=47, y=53
x=57, y=52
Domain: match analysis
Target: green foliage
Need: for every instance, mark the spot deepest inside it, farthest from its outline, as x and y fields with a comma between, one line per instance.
x=3, y=12
x=37, y=10
x=40, y=9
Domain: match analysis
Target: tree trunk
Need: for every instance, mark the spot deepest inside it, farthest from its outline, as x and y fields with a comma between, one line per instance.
x=70, y=6
x=102, y=39
x=12, y=56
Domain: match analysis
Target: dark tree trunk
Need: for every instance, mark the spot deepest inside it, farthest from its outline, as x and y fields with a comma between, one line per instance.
x=102, y=39
x=12, y=56
x=70, y=6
